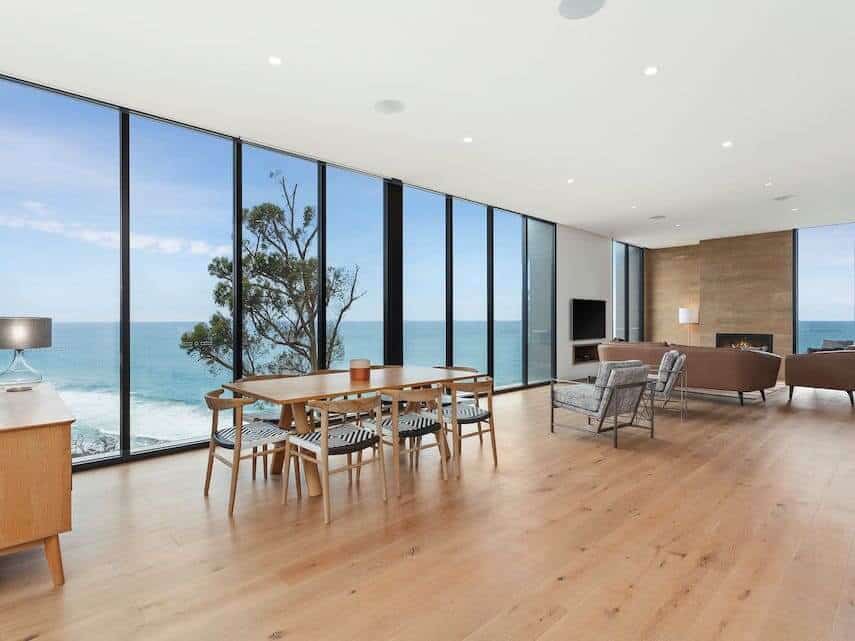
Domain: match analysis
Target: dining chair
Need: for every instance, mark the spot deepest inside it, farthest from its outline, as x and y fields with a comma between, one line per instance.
x=343, y=439
x=237, y=437
x=468, y=413
x=268, y=415
x=404, y=430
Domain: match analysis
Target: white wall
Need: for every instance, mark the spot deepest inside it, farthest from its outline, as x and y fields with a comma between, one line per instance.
x=584, y=270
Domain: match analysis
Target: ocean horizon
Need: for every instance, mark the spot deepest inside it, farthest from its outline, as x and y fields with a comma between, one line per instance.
x=167, y=385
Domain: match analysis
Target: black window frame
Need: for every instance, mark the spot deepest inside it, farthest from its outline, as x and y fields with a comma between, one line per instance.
x=626, y=296
x=393, y=244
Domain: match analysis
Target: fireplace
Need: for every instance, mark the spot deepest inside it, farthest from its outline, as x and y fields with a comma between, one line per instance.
x=758, y=342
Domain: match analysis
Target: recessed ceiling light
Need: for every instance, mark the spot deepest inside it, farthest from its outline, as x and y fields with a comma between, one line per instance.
x=389, y=106
x=651, y=70
x=677, y=225
x=467, y=139
x=570, y=181
x=634, y=207
x=578, y=9
x=794, y=209
x=657, y=218
x=727, y=144
x=275, y=60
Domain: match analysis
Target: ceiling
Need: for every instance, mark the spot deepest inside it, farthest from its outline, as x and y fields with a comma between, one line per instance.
x=543, y=98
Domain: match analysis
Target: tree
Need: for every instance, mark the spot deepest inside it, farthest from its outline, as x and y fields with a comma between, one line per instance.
x=280, y=294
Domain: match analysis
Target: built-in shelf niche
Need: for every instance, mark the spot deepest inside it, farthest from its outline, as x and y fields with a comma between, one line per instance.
x=585, y=353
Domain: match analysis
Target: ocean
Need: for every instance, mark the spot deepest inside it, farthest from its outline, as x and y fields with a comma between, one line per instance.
x=812, y=333
x=167, y=385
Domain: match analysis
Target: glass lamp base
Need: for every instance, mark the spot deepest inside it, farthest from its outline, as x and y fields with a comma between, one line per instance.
x=19, y=373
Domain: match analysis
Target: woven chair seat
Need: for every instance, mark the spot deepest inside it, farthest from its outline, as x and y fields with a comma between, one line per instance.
x=343, y=439
x=253, y=434
x=411, y=425
x=467, y=413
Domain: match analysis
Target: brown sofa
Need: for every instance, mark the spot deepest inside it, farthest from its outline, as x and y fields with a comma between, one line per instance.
x=826, y=370
x=718, y=368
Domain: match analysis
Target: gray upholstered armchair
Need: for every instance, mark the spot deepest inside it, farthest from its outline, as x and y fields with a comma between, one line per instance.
x=671, y=376
x=617, y=392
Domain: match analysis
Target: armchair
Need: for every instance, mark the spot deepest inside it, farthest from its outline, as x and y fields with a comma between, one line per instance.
x=617, y=392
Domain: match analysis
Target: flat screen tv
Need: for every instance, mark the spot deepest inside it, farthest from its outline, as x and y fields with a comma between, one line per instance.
x=588, y=319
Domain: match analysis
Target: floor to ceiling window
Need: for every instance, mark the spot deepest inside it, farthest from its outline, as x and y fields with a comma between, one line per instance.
x=635, y=292
x=540, y=254
x=470, y=284
x=59, y=249
x=619, y=289
x=180, y=279
x=628, y=291
x=280, y=262
x=354, y=245
x=424, y=277
x=826, y=287
x=62, y=238
x=507, y=298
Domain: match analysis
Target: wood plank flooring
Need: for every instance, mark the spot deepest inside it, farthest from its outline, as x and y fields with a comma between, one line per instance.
x=737, y=524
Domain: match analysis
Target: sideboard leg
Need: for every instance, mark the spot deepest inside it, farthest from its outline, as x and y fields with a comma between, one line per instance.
x=53, y=554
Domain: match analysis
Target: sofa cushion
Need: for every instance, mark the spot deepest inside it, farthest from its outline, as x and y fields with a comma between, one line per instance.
x=828, y=343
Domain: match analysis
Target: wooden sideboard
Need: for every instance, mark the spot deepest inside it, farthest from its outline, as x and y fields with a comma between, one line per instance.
x=35, y=472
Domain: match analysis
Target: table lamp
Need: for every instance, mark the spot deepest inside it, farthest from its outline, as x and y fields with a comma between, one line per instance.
x=19, y=333
x=688, y=316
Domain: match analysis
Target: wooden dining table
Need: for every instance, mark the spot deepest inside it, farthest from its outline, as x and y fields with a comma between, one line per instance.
x=292, y=393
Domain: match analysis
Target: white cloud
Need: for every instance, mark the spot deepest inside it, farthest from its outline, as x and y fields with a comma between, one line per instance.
x=111, y=239
x=35, y=207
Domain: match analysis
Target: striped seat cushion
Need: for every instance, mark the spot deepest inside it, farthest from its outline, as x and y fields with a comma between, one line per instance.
x=253, y=434
x=467, y=413
x=410, y=425
x=342, y=439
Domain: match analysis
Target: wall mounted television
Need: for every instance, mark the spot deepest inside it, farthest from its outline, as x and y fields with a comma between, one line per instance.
x=587, y=319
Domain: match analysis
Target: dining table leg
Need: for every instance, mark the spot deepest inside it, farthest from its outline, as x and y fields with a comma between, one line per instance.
x=296, y=412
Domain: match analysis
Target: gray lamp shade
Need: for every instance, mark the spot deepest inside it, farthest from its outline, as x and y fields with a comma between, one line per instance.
x=24, y=332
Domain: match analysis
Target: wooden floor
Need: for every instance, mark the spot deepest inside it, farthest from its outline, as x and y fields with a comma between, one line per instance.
x=736, y=524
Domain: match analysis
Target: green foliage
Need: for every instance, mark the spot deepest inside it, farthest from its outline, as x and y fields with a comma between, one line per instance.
x=280, y=294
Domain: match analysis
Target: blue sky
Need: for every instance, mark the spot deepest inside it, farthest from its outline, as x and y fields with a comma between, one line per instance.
x=59, y=217
x=59, y=224
x=827, y=273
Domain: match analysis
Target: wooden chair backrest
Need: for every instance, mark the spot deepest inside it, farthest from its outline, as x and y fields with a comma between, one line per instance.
x=419, y=395
x=414, y=397
x=215, y=402
x=346, y=406
x=482, y=386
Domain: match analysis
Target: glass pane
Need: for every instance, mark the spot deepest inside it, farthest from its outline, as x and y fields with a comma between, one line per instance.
x=424, y=277
x=636, y=292
x=181, y=257
x=619, y=289
x=59, y=237
x=507, y=298
x=541, y=275
x=280, y=264
x=354, y=267
x=826, y=281
x=470, y=284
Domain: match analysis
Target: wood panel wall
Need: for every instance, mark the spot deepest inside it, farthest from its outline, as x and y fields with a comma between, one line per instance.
x=742, y=283
x=672, y=279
